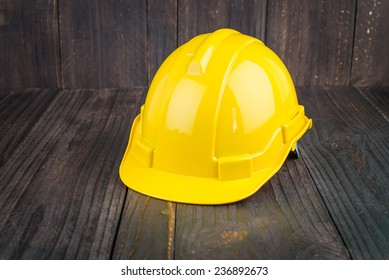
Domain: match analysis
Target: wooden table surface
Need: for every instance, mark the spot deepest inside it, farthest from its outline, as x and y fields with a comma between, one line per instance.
x=61, y=196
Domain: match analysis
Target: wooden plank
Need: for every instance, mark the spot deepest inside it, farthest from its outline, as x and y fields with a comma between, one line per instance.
x=162, y=32
x=347, y=153
x=371, y=58
x=146, y=229
x=313, y=38
x=19, y=111
x=379, y=98
x=197, y=17
x=285, y=219
x=60, y=195
x=103, y=43
x=29, y=44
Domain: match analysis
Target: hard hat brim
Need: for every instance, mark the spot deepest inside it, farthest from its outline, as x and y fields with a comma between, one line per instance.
x=189, y=189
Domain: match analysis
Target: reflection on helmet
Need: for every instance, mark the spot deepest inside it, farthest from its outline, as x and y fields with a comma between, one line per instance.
x=220, y=118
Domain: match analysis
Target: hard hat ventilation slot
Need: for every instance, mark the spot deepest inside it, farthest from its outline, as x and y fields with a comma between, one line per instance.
x=292, y=128
x=144, y=153
x=236, y=167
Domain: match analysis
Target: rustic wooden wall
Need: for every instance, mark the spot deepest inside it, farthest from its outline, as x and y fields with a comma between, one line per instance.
x=314, y=39
x=120, y=44
x=371, y=44
x=29, y=44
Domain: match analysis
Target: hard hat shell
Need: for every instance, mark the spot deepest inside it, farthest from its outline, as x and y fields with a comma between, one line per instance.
x=220, y=117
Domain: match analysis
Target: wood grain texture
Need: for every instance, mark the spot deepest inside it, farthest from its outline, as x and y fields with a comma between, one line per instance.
x=313, y=38
x=146, y=229
x=19, y=111
x=197, y=17
x=29, y=44
x=347, y=154
x=60, y=195
x=378, y=97
x=371, y=57
x=103, y=43
x=285, y=219
x=162, y=33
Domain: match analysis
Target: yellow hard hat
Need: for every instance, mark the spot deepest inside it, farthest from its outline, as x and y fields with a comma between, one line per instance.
x=219, y=120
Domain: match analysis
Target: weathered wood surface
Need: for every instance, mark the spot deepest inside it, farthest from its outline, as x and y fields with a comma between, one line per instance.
x=196, y=17
x=347, y=155
x=370, y=64
x=147, y=229
x=29, y=44
x=285, y=219
x=106, y=44
x=19, y=112
x=103, y=43
x=378, y=98
x=60, y=195
x=162, y=33
x=313, y=38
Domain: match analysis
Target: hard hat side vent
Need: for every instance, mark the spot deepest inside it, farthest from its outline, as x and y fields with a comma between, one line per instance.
x=237, y=167
x=144, y=153
x=298, y=123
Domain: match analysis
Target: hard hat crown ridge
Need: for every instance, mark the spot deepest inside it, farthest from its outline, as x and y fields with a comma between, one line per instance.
x=201, y=58
x=220, y=117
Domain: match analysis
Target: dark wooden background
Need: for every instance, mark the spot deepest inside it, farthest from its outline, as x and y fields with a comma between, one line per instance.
x=73, y=75
x=120, y=44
